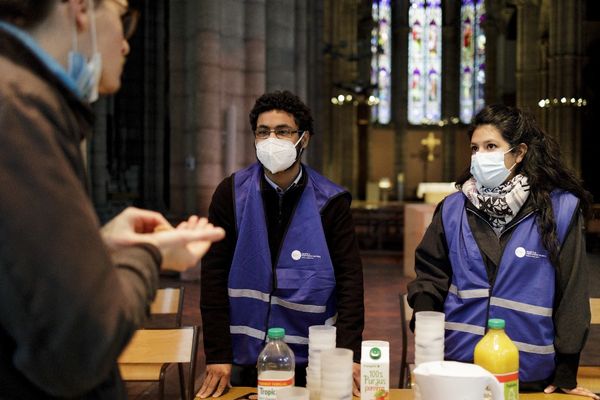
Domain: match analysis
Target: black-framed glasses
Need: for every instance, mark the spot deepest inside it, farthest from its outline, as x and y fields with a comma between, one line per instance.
x=281, y=133
x=130, y=21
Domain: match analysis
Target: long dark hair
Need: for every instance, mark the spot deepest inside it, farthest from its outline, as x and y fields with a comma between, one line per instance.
x=541, y=165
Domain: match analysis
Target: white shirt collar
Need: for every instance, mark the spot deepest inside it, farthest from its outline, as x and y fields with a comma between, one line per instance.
x=281, y=191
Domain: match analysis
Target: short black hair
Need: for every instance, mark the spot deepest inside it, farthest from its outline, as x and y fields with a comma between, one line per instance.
x=28, y=13
x=285, y=101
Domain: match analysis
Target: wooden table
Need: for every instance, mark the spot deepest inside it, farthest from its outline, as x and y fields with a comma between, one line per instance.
x=406, y=394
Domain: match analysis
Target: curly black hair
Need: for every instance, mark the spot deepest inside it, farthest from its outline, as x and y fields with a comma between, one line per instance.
x=28, y=13
x=285, y=101
x=541, y=165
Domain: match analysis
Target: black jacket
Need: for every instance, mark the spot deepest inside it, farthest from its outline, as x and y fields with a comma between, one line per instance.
x=67, y=306
x=341, y=242
x=571, y=309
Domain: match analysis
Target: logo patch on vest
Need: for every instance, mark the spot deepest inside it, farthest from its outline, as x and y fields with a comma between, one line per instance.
x=521, y=252
x=297, y=255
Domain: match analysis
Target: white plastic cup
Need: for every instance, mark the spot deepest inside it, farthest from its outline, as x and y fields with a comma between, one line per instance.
x=429, y=336
x=293, y=393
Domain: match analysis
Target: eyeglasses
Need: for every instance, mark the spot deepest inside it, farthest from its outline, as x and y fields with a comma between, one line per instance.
x=130, y=21
x=281, y=133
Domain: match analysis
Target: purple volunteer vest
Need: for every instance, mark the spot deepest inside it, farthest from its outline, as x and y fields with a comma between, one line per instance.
x=300, y=290
x=523, y=292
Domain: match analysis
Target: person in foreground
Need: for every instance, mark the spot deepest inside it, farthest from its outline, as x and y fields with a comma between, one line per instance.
x=71, y=293
x=510, y=244
x=290, y=258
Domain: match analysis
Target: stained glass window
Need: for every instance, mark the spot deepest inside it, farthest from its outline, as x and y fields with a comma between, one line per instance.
x=425, y=61
x=472, y=59
x=381, y=62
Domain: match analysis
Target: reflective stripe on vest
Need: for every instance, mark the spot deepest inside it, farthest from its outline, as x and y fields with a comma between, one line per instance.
x=304, y=294
x=523, y=292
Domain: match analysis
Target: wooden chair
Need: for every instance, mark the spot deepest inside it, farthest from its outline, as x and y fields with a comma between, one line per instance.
x=168, y=301
x=151, y=351
x=405, y=366
x=589, y=376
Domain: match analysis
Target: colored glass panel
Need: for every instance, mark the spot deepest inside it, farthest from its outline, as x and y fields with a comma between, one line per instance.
x=381, y=61
x=424, y=61
x=472, y=59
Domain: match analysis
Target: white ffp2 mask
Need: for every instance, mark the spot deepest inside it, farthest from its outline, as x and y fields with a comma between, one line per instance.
x=277, y=155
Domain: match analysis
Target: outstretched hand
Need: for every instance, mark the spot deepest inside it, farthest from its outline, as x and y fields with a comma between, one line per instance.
x=185, y=245
x=181, y=247
x=579, y=391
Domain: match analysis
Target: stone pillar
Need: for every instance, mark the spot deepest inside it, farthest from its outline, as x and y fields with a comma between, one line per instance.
x=527, y=69
x=182, y=55
x=450, y=85
x=280, y=38
x=232, y=88
x=317, y=89
x=255, y=85
x=400, y=31
x=565, y=59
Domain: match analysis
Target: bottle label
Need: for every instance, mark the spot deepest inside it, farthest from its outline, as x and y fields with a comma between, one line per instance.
x=268, y=386
x=510, y=385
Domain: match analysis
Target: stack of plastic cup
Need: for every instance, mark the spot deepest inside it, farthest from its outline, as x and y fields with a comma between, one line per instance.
x=429, y=336
x=320, y=338
x=336, y=374
x=429, y=340
x=293, y=393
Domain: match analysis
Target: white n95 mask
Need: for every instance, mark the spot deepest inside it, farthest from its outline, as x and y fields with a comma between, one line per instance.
x=489, y=169
x=277, y=155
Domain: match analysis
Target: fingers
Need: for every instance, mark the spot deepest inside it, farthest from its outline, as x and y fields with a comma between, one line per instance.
x=208, y=386
x=580, y=391
x=216, y=381
x=550, y=389
x=356, y=379
x=223, y=384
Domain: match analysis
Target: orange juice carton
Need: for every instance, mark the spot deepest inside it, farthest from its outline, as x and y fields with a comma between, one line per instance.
x=375, y=370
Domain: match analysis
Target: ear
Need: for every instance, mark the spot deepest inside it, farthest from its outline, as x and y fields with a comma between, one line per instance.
x=78, y=10
x=305, y=140
x=521, y=151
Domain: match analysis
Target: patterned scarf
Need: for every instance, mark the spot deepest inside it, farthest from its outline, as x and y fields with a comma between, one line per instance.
x=500, y=204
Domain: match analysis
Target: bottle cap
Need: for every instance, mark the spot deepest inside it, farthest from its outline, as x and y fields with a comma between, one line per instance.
x=276, y=333
x=496, y=323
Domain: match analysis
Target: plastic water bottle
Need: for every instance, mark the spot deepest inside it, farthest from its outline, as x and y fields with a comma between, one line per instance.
x=276, y=365
x=499, y=355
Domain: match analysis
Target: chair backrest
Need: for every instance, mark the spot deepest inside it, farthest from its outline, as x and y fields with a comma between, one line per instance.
x=595, y=310
x=157, y=346
x=163, y=346
x=168, y=301
x=405, y=316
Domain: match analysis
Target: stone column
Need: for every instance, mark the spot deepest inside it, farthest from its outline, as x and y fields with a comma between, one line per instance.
x=400, y=33
x=232, y=60
x=527, y=69
x=182, y=56
x=280, y=38
x=255, y=74
x=565, y=59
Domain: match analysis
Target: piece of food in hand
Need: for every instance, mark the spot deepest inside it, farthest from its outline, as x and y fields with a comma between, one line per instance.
x=163, y=227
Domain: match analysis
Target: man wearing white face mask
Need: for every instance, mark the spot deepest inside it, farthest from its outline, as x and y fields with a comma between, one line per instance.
x=290, y=260
x=511, y=245
x=72, y=293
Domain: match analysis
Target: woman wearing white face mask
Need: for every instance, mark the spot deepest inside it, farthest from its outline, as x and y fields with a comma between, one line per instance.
x=510, y=244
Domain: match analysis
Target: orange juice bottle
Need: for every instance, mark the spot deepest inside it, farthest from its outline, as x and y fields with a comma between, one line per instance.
x=499, y=355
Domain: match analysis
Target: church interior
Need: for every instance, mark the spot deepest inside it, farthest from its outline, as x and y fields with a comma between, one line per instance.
x=392, y=85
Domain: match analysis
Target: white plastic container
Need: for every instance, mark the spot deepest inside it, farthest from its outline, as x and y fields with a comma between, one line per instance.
x=375, y=370
x=276, y=365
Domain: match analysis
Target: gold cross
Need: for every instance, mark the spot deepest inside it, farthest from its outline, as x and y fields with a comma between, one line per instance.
x=430, y=142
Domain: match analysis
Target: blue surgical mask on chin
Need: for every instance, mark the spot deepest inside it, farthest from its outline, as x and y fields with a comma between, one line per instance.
x=86, y=73
x=489, y=170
